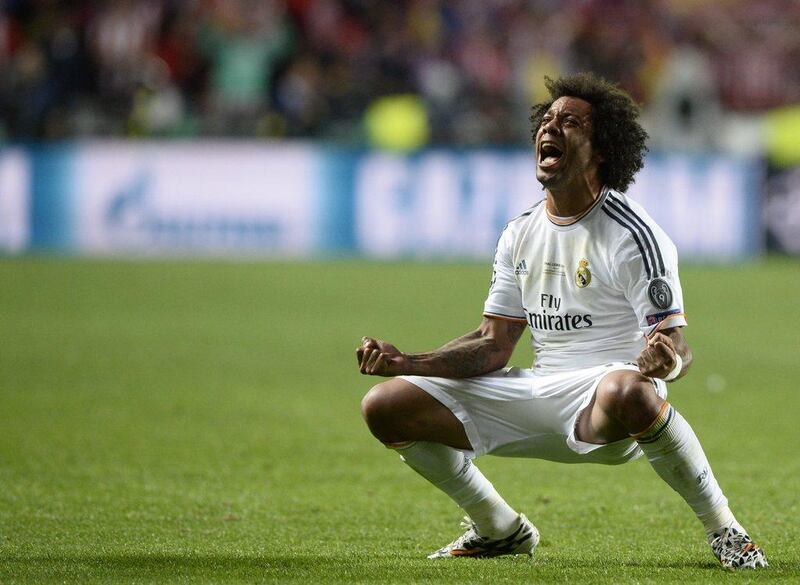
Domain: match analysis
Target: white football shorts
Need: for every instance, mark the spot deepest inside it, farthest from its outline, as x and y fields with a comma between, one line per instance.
x=516, y=412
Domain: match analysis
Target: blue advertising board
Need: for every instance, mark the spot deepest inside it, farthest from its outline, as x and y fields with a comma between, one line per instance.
x=300, y=199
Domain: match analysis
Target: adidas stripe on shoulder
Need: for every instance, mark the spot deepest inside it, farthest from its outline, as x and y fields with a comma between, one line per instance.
x=642, y=234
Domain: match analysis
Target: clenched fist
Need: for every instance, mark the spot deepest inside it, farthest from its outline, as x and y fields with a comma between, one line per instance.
x=658, y=358
x=380, y=358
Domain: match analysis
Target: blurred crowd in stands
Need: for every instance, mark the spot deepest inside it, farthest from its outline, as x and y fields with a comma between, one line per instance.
x=315, y=68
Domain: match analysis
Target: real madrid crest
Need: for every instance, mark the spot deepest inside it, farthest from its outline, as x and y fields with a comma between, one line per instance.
x=583, y=275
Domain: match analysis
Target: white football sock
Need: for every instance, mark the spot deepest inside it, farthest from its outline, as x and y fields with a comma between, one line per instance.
x=718, y=519
x=675, y=453
x=453, y=473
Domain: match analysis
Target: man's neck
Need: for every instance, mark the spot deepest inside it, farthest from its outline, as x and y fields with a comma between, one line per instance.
x=573, y=201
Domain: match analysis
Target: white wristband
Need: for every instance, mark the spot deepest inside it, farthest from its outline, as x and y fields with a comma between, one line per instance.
x=676, y=371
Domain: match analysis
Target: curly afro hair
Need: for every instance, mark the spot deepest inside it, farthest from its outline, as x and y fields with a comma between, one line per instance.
x=616, y=133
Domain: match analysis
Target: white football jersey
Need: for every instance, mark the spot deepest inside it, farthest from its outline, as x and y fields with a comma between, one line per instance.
x=589, y=291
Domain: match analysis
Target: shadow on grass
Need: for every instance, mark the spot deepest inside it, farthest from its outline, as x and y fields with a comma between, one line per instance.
x=323, y=567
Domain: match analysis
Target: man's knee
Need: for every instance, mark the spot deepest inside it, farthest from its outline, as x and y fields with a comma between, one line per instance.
x=629, y=398
x=397, y=411
x=379, y=407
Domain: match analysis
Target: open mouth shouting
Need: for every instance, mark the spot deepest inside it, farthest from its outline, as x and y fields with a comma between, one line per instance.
x=550, y=154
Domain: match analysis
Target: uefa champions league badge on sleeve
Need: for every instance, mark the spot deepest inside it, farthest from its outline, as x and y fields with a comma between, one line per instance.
x=660, y=293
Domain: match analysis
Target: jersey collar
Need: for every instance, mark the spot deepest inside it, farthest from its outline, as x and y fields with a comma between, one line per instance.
x=568, y=221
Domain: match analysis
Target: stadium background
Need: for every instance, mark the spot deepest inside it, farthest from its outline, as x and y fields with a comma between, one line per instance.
x=205, y=204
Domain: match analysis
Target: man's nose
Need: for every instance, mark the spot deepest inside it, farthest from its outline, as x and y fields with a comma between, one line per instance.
x=552, y=126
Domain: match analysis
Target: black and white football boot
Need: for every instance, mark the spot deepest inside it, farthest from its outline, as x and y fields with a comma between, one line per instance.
x=735, y=550
x=522, y=541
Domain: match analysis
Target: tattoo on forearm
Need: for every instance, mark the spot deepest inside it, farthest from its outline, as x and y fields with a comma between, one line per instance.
x=466, y=356
x=468, y=359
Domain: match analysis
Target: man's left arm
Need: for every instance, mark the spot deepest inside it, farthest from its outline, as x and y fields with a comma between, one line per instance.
x=660, y=357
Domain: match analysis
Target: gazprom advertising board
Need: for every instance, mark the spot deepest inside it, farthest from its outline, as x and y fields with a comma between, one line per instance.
x=439, y=204
x=456, y=204
x=709, y=205
x=303, y=200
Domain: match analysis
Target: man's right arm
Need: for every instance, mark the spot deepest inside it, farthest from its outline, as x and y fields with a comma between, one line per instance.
x=479, y=352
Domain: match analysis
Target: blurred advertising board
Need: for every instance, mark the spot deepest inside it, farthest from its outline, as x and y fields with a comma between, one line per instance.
x=15, y=189
x=782, y=210
x=708, y=204
x=439, y=203
x=456, y=204
x=308, y=200
x=179, y=198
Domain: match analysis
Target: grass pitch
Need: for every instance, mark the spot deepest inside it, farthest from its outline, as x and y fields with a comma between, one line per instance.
x=199, y=422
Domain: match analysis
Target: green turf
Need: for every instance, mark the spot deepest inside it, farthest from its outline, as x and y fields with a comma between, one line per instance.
x=198, y=422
